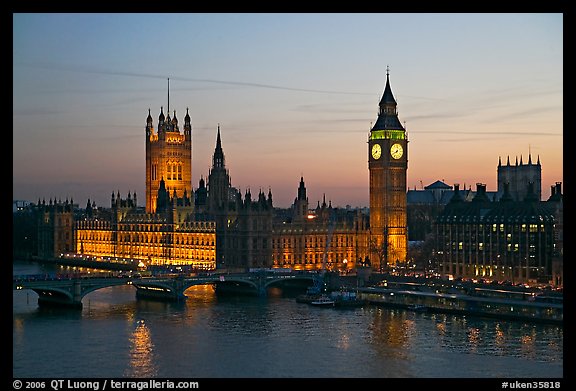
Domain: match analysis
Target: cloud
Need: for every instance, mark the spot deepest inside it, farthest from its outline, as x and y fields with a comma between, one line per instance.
x=81, y=69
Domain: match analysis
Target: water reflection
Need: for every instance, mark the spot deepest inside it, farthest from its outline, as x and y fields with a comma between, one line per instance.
x=206, y=335
x=141, y=353
x=390, y=333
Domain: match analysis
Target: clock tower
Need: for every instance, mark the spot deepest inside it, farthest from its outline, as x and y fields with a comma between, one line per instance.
x=387, y=164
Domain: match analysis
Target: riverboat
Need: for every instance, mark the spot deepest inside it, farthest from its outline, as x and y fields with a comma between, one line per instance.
x=323, y=301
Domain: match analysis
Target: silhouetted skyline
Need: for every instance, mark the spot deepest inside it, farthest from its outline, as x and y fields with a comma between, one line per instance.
x=294, y=94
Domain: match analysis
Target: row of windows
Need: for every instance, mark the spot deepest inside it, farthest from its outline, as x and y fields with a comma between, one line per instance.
x=183, y=240
x=481, y=247
x=313, y=241
x=311, y=258
x=173, y=171
x=497, y=227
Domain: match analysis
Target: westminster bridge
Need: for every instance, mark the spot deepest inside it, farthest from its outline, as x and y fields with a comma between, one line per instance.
x=69, y=291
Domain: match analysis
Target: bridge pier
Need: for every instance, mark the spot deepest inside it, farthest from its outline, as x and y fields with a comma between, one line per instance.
x=51, y=301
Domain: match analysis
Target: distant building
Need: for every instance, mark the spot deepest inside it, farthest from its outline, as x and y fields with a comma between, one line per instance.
x=324, y=238
x=499, y=240
x=55, y=228
x=423, y=206
x=518, y=176
x=506, y=234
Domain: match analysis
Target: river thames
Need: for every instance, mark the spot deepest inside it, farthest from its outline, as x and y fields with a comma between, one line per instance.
x=115, y=335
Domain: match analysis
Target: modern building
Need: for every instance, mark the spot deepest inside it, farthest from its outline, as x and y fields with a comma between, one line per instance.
x=504, y=240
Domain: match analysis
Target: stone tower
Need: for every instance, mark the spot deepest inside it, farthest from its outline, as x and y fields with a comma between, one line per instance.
x=387, y=164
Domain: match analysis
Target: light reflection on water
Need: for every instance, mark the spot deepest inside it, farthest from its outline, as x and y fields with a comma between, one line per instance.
x=142, y=363
x=207, y=336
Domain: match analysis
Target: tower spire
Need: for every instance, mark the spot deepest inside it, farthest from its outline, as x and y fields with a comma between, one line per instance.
x=168, y=97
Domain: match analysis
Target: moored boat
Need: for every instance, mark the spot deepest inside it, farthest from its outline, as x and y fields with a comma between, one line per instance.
x=323, y=301
x=347, y=299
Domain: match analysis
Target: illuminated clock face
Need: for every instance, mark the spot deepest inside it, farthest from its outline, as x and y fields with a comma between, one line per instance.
x=376, y=151
x=396, y=151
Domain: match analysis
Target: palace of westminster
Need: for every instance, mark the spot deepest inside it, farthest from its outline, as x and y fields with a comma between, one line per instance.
x=509, y=234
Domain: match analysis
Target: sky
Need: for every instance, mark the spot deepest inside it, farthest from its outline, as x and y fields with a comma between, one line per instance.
x=295, y=95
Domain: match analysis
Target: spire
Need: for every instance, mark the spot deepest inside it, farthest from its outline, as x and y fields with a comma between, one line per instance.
x=387, y=97
x=387, y=114
x=302, y=189
x=218, y=159
x=149, y=118
x=168, y=109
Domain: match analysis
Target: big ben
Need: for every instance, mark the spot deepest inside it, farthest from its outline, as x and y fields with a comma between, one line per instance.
x=388, y=164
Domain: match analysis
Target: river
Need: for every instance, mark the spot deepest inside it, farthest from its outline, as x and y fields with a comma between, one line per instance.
x=115, y=335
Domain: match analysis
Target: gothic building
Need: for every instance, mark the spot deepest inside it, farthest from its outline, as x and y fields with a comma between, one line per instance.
x=518, y=176
x=166, y=232
x=324, y=238
x=508, y=234
x=387, y=164
x=55, y=227
x=168, y=157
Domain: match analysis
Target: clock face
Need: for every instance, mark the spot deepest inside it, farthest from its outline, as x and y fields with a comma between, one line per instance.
x=396, y=151
x=376, y=151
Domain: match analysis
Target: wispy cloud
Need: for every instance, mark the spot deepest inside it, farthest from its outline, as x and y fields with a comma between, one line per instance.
x=59, y=67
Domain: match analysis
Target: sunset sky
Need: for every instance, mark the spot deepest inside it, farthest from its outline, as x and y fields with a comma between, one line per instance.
x=294, y=95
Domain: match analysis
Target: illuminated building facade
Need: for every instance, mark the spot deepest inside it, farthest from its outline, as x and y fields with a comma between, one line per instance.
x=388, y=164
x=168, y=237
x=168, y=157
x=324, y=238
x=500, y=240
x=166, y=232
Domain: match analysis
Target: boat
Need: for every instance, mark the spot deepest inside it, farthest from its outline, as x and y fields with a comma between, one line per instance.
x=323, y=301
x=348, y=300
x=312, y=293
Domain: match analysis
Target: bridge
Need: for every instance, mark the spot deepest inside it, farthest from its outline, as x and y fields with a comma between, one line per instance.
x=70, y=291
